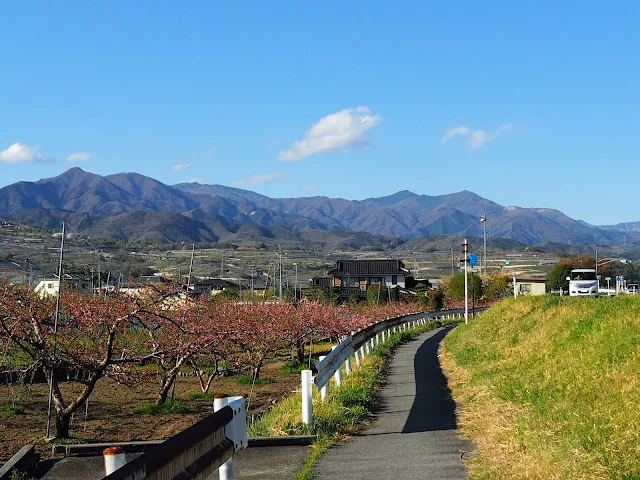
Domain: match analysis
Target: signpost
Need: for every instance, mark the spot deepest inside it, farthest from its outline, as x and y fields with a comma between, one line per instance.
x=465, y=256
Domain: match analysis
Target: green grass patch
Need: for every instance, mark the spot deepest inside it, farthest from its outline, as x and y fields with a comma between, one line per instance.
x=12, y=410
x=16, y=475
x=317, y=449
x=561, y=377
x=295, y=367
x=167, y=408
x=248, y=380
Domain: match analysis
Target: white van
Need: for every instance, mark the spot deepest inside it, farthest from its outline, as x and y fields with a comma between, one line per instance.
x=583, y=282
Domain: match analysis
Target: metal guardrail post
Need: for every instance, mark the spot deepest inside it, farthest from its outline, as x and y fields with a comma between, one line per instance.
x=324, y=391
x=307, y=403
x=338, y=375
x=347, y=366
x=357, y=357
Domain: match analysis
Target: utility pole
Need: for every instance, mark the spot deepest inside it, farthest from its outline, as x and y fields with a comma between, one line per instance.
x=280, y=291
x=452, y=269
x=99, y=277
x=193, y=251
x=295, y=287
x=222, y=265
x=55, y=330
x=483, y=219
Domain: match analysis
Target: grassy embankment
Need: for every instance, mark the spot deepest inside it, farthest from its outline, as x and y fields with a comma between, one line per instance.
x=549, y=388
x=345, y=409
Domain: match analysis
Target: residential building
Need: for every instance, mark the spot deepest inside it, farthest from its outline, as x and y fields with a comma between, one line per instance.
x=362, y=273
x=71, y=282
x=531, y=285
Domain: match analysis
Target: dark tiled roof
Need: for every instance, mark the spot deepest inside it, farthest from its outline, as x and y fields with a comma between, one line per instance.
x=369, y=267
x=532, y=278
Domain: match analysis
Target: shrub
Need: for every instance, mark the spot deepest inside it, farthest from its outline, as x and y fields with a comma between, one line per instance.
x=456, y=286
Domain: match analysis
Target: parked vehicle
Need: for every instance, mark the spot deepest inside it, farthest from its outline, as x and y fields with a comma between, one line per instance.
x=583, y=282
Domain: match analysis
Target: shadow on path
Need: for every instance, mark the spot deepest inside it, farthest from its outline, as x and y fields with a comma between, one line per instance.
x=433, y=408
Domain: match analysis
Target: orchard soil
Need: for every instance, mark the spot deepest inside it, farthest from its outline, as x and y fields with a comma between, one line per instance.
x=111, y=406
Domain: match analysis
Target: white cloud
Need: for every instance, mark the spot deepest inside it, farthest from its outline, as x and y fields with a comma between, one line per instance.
x=78, y=157
x=179, y=166
x=337, y=131
x=209, y=152
x=476, y=138
x=261, y=178
x=200, y=180
x=309, y=188
x=19, y=153
x=453, y=131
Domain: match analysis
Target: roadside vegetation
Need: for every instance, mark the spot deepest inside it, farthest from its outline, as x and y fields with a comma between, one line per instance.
x=548, y=387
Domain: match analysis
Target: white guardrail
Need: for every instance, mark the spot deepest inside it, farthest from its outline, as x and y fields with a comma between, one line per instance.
x=359, y=344
x=195, y=453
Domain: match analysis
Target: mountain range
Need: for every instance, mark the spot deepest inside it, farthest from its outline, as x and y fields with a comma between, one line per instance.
x=130, y=206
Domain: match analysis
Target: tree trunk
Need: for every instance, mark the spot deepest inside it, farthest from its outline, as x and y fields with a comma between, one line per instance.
x=62, y=425
x=300, y=352
x=167, y=382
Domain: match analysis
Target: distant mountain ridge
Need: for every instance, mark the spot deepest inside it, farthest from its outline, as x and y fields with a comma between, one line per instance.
x=135, y=207
x=409, y=215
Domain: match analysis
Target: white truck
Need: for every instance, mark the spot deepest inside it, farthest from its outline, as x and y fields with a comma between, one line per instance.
x=583, y=282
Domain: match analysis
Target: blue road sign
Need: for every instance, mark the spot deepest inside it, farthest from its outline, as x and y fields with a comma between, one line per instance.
x=473, y=259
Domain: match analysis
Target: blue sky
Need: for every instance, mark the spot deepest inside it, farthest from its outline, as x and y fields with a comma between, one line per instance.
x=532, y=104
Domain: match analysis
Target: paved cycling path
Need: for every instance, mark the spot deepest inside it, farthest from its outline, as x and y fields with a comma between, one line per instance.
x=414, y=434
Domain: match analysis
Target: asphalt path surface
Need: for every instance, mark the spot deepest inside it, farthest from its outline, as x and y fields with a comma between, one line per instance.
x=414, y=434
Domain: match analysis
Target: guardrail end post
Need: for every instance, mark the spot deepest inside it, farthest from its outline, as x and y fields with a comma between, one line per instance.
x=226, y=469
x=307, y=403
x=114, y=458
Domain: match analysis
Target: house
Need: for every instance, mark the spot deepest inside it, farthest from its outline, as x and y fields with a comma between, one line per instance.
x=71, y=282
x=213, y=286
x=531, y=285
x=362, y=273
x=134, y=287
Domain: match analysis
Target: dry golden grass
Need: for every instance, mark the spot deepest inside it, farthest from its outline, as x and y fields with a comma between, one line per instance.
x=548, y=388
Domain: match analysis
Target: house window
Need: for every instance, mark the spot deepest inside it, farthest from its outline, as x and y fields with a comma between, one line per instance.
x=49, y=285
x=376, y=280
x=394, y=279
x=525, y=288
